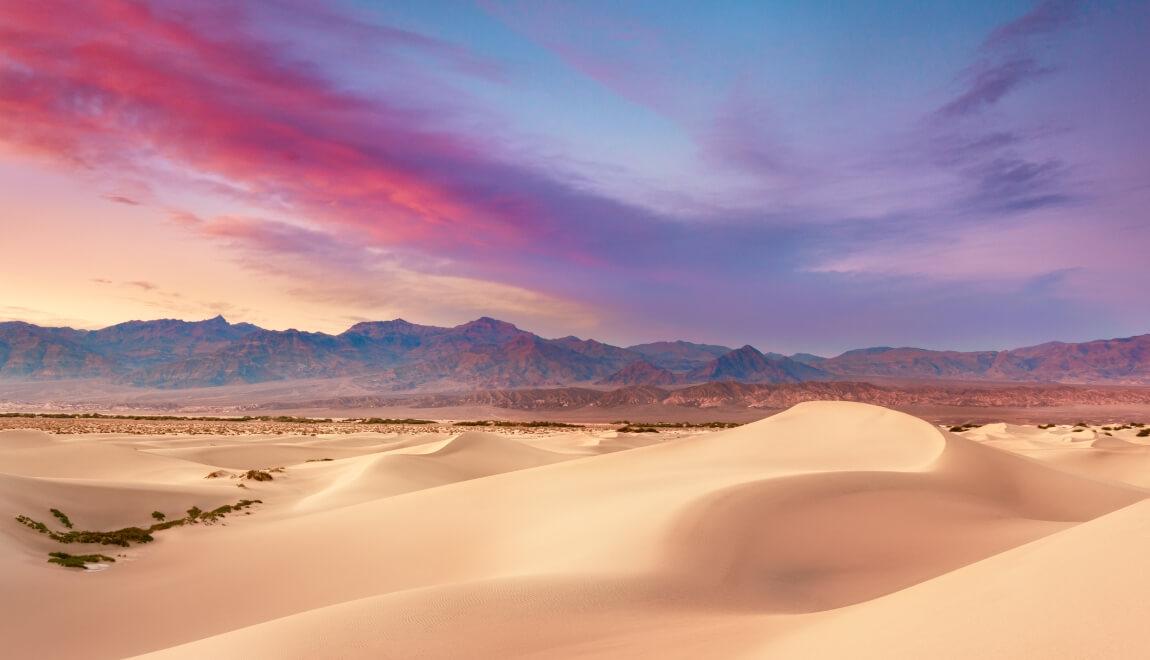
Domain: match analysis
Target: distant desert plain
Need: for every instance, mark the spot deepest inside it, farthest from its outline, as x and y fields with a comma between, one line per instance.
x=831, y=529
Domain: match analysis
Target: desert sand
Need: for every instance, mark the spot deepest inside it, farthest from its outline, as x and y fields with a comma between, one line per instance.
x=829, y=530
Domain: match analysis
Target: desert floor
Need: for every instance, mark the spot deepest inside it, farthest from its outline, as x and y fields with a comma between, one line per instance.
x=829, y=530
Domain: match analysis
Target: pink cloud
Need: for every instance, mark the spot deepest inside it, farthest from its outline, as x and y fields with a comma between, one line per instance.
x=113, y=84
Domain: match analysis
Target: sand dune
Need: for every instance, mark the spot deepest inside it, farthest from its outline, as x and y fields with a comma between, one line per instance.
x=745, y=541
x=1076, y=594
x=415, y=467
x=1117, y=455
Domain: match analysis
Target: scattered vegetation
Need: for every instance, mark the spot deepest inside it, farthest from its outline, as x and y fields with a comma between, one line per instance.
x=257, y=475
x=1046, y=426
x=128, y=535
x=964, y=427
x=76, y=561
x=1144, y=433
x=318, y=460
x=534, y=424
x=637, y=429
x=389, y=420
x=218, y=474
x=176, y=418
x=219, y=512
x=680, y=425
x=121, y=537
x=62, y=518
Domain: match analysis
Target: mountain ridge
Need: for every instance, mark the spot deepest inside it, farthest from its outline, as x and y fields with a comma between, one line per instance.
x=490, y=353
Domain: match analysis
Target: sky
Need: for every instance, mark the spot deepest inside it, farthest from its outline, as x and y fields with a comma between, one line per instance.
x=800, y=176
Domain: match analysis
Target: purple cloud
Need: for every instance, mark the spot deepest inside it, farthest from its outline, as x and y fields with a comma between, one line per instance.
x=990, y=82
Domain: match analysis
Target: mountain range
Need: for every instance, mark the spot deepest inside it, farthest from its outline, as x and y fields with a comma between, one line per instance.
x=487, y=353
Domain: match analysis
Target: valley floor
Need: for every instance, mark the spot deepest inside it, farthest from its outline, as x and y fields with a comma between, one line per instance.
x=832, y=529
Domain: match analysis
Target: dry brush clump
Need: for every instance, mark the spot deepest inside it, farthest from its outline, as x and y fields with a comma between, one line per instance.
x=964, y=427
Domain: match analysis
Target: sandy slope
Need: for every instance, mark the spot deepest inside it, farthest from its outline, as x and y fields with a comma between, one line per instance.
x=826, y=521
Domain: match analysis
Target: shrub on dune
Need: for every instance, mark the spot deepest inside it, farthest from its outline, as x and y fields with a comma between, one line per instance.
x=76, y=561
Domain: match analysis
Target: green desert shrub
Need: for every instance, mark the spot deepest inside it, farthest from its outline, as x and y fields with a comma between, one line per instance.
x=76, y=561
x=62, y=518
x=128, y=535
x=121, y=537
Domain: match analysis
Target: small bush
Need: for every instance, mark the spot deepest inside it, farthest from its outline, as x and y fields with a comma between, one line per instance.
x=258, y=475
x=1144, y=433
x=158, y=515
